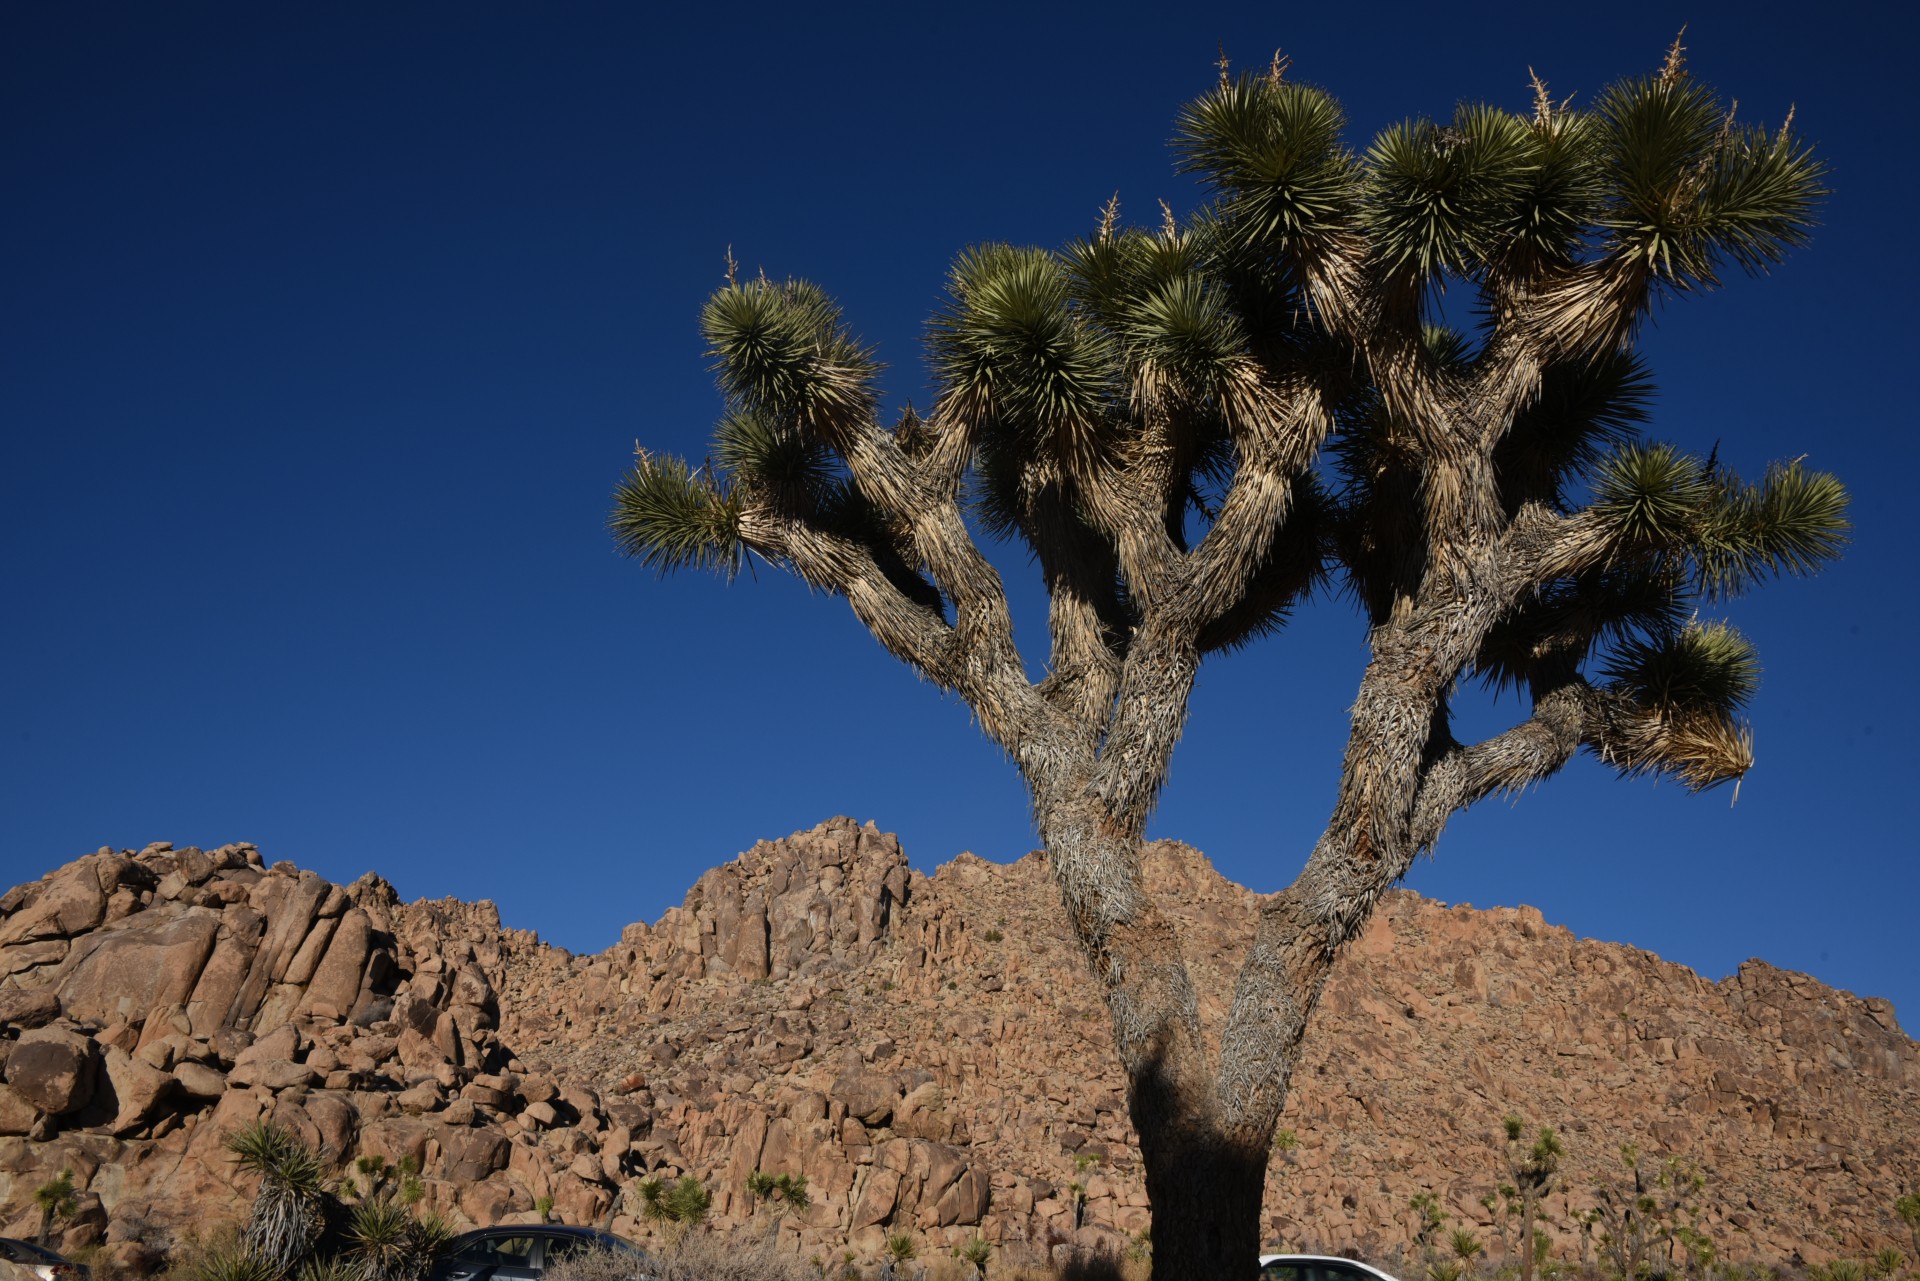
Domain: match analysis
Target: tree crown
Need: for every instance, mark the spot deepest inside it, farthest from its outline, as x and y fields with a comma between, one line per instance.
x=1194, y=425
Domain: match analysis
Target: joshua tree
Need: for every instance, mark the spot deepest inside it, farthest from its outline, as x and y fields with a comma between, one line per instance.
x=1427, y=1222
x=289, y=1209
x=1532, y=1166
x=1193, y=425
x=1637, y=1216
x=1908, y=1208
x=779, y=1193
x=1499, y=1207
x=386, y=1240
x=675, y=1206
x=56, y=1199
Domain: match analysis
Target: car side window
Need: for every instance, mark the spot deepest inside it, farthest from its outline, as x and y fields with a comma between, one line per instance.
x=1283, y=1272
x=557, y=1248
x=501, y=1252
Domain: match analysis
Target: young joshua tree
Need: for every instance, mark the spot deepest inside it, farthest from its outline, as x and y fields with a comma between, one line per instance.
x=56, y=1199
x=1532, y=1167
x=289, y=1209
x=1191, y=426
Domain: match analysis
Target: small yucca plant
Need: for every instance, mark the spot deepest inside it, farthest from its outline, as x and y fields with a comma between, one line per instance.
x=288, y=1211
x=334, y=1268
x=975, y=1250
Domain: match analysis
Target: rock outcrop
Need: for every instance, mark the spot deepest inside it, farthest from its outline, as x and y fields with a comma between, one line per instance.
x=928, y=1051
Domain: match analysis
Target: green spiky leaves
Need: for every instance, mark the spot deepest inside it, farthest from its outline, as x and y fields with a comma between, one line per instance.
x=798, y=386
x=1672, y=529
x=1792, y=522
x=790, y=467
x=1438, y=198
x=1016, y=359
x=670, y=517
x=1657, y=178
x=1692, y=189
x=1653, y=500
x=1702, y=666
x=1651, y=496
x=782, y=351
x=1272, y=149
x=279, y=1156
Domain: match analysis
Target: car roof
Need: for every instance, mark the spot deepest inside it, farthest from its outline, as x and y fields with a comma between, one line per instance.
x=1265, y=1259
x=509, y=1230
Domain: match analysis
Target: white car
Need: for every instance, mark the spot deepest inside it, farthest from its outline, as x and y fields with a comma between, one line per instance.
x=1318, y=1267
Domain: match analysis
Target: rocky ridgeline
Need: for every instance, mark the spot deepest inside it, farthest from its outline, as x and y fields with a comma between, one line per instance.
x=928, y=1051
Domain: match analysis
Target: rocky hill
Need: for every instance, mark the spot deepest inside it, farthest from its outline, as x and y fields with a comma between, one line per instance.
x=928, y=1051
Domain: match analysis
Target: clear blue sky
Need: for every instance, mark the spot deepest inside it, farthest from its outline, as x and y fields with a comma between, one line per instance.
x=327, y=329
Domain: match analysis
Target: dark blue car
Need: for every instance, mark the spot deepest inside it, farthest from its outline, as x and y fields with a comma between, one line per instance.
x=524, y=1251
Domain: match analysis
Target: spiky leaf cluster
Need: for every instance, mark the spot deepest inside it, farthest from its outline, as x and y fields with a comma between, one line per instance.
x=1116, y=405
x=288, y=1209
x=681, y=1203
x=386, y=1241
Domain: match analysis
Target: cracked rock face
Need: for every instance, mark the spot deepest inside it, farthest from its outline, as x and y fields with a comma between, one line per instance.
x=928, y=1052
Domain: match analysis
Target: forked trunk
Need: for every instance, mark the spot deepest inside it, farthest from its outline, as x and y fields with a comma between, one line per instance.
x=1205, y=1165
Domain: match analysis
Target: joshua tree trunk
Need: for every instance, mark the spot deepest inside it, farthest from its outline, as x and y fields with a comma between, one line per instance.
x=1527, y=1195
x=1206, y=1195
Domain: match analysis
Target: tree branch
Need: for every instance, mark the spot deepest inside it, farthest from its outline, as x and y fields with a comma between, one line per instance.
x=1528, y=752
x=989, y=670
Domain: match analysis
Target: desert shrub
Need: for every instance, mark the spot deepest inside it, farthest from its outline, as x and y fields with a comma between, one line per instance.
x=600, y=1265
x=223, y=1256
x=974, y=1253
x=1100, y=1265
x=728, y=1256
x=102, y=1265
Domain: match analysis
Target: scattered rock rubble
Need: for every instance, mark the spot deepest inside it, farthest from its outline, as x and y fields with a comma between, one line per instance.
x=928, y=1051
